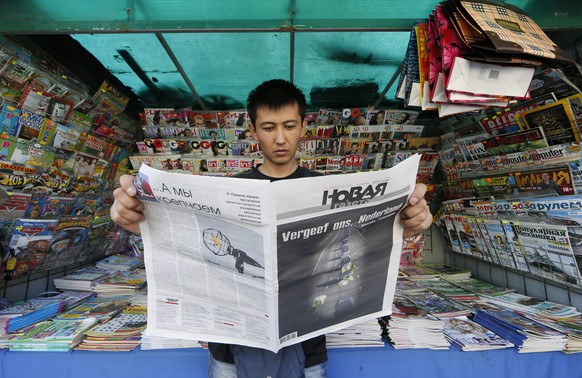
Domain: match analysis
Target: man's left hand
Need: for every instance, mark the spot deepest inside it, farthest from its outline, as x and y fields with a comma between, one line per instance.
x=416, y=216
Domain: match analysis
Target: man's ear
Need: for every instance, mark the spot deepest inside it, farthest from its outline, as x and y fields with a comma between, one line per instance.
x=252, y=130
x=304, y=127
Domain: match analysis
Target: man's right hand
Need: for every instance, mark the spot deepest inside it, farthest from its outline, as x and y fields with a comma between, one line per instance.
x=126, y=210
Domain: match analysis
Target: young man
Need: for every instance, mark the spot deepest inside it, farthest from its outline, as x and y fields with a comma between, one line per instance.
x=277, y=112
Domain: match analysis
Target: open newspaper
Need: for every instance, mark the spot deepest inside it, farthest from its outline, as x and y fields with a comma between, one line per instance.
x=268, y=265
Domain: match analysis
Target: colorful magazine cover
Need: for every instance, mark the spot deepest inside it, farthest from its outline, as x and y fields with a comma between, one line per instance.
x=201, y=119
x=32, y=154
x=70, y=237
x=329, y=117
x=67, y=135
x=159, y=116
x=94, y=146
x=29, y=125
x=547, y=251
x=30, y=244
x=15, y=206
x=7, y=147
x=555, y=119
x=9, y=120
x=100, y=308
x=45, y=104
x=515, y=142
x=16, y=175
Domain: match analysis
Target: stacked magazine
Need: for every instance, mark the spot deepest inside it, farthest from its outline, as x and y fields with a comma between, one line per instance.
x=149, y=342
x=361, y=335
x=410, y=326
x=527, y=334
x=70, y=298
x=52, y=335
x=435, y=304
x=471, y=336
x=444, y=288
x=482, y=287
x=572, y=328
x=81, y=279
x=124, y=282
x=534, y=306
x=120, y=333
x=100, y=308
x=23, y=314
x=448, y=272
x=120, y=262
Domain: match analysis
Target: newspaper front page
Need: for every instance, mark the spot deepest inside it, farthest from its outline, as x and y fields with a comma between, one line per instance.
x=268, y=265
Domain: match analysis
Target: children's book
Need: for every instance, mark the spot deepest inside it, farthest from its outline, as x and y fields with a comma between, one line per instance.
x=32, y=154
x=17, y=72
x=122, y=283
x=67, y=135
x=94, y=146
x=9, y=121
x=23, y=314
x=47, y=132
x=81, y=279
x=120, y=262
x=7, y=147
x=29, y=125
x=80, y=119
x=45, y=104
x=100, y=308
x=70, y=237
x=54, y=335
x=30, y=243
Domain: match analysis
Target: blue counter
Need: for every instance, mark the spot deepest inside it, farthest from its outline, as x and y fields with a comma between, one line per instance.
x=349, y=363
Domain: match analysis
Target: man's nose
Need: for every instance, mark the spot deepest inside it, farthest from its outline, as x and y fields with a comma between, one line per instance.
x=280, y=137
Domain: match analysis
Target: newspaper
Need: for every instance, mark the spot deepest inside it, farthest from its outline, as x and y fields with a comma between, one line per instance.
x=268, y=265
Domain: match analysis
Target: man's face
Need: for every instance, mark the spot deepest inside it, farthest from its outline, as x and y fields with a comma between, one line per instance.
x=545, y=177
x=278, y=133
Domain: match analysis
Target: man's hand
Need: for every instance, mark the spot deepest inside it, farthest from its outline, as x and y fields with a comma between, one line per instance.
x=126, y=211
x=416, y=216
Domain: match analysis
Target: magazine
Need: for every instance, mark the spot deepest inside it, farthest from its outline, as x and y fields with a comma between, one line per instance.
x=548, y=252
x=244, y=262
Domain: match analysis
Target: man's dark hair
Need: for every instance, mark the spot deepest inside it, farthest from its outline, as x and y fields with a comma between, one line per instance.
x=274, y=95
